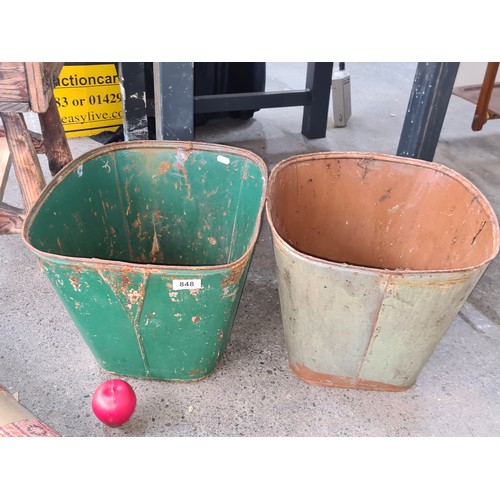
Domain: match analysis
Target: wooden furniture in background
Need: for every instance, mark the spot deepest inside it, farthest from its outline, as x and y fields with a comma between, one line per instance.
x=28, y=86
x=483, y=114
x=484, y=96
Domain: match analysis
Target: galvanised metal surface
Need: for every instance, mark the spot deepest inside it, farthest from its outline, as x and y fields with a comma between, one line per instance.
x=148, y=244
x=375, y=257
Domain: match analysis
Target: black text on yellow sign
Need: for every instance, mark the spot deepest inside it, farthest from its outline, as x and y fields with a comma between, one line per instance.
x=89, y=100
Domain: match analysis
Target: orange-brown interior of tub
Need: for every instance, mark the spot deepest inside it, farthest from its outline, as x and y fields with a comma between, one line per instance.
x=373, y=212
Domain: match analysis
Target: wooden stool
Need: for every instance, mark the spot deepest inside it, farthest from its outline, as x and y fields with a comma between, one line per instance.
x=28, y=87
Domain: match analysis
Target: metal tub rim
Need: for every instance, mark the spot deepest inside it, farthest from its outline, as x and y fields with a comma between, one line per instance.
x=391, y=159
x=146, y=144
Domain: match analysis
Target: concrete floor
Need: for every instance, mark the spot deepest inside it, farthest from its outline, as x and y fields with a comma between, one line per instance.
x=253, y=392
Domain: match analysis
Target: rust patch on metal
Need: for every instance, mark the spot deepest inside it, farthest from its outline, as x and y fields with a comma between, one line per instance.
x=230, y=284
x=329, y=380
x=192, y=373
x=164, y=166
x=212, y=240
x=135, y=296
x=220, y=335
x=126, y=282
x=195, y=319
x=137, y=223
x=158, y=216
x=156, y=254
x=127, y=196
x=234, y=278
x=182, y=156
x=75, y=282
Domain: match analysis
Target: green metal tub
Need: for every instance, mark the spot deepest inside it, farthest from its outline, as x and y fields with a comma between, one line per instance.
x=148, y=244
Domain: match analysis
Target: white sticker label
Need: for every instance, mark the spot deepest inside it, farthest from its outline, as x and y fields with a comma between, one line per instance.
x=223, y=159
x=186, y=284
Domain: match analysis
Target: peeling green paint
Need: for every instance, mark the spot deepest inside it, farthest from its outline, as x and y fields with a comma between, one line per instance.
x=124, y=232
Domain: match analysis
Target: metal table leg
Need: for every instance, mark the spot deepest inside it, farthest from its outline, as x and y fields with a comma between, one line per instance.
x=429, y=99
x=135, y=117
x=174, y=104
x=315, y=117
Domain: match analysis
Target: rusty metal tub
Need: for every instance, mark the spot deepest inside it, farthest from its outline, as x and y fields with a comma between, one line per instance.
x=147, y=244
x=375, y=255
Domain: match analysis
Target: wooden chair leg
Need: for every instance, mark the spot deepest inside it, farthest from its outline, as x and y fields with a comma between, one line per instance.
x=26, y=164
x=54, y=138
x=11, y=218
x=481, y=114
x=4, y=165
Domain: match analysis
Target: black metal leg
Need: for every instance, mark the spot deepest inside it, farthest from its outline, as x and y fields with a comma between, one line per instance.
x=319, y=82
x=174, y=101
x=174, y=104
x=429, y=99
x=135, y=118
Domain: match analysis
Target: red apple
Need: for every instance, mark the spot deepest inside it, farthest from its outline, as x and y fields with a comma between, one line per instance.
x=114, y=402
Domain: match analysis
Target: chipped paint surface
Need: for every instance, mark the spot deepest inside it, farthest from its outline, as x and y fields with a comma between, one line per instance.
x=359, y=314
x=234, y=276
x=134, y=296
x=182, y=156
x=164, y=166
x=75, y=282
x=156, y=255
x=331, y=380
x=157, y=215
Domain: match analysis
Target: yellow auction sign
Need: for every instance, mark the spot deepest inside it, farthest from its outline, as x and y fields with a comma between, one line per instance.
x=89, y=99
